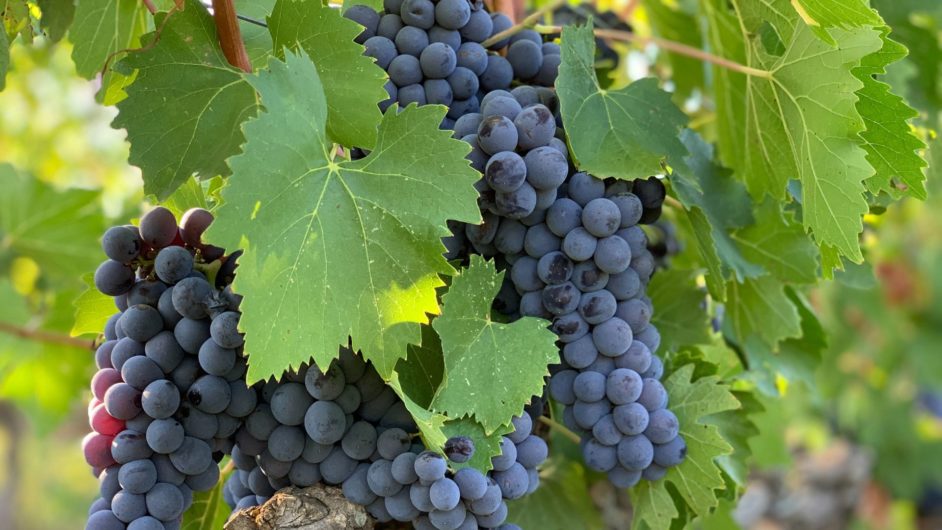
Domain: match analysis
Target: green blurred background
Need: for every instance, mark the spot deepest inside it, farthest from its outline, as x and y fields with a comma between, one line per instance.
x=873, y=405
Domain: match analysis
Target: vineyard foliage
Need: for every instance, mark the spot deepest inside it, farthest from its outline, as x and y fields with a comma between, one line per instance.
x=781, y=147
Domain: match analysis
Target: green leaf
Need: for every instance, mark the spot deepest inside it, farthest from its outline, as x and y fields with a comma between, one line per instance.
x=780, y=245
x=698, y=185
x=58, y=229
x=737, y=427
x=760, y=307
x=56, y=17
x=625, y=133
x=184, y=110
x=338, y=248
x=823, y=14
x=678, y=313
x=481, y=355
x=675, y=24
x=208, y=511
x=694, y=401
x=103, y=27
x=257, y=38
x=352, y=82
x=189, y=195
x=562, y=501
x=892, y=146
x=92, y=309
x=795, y=116
x=486, y=445
x=421, y=372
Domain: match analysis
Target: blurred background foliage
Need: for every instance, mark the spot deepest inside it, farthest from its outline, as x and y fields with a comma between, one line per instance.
x=864, y=422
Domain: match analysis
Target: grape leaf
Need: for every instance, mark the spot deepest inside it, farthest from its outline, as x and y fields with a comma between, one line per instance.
x=209, y=510
x=103, y=27
x=486, y=445
x=421, y=372
x=673, y=23
x=338, y=248
x=678, y=311
x=189, y=195
x=794, y=116
x=889, y=140
x=481, y=355
x=54, y=228
x=56, y=17
x=562, y=501
x=760, y=307
x=697, y=184
x=257, y=38
x=353, y=84
x=779, y=244
x=625, y=133
x=697, y=478
x=92, y=309
x=184, y=110
x=823, y=14
x=737, y=427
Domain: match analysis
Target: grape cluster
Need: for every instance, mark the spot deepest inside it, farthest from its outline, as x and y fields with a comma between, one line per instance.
x=170, y=390
x=345, y=427
x=433, y=54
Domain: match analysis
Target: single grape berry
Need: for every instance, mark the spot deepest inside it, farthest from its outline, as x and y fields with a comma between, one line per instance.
x=459, y=449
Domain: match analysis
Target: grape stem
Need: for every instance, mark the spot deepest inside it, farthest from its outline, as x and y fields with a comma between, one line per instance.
x=553, y=424
x=49, y=337
x=671, y=46
x=230, y=37
x=149, y=4
x=529, y=21
x=673, y=203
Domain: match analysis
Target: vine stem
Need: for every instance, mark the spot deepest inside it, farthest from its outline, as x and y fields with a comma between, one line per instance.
x=48, y=337
x=527, y=22
x=673, y=203
x=230, y=37
x=671, y=46
x=149, y=4
x=553, y=424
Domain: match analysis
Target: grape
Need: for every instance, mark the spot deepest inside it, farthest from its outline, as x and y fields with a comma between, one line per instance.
x=589, y=386
x=493, y=94
x=554, y=268
x=509, y=237
x=490, y=501
x=103, y=423
x=539, y=240
x=580, y=353
x=380, y=479
x=196, y=422
x=114, y=278
x=141, y=322
x=612, y=337
x=545, y=198
x=606, y=432
x=599, y=457
x=129, y=445
x=103, y=380
x=637, y=358
x=526, y=95
x=381, y=49
x=420, y=496
x=624, y=285
x=507, y=456
x=505, y=106
x=411, y=41
x=304, y=474
x=286, y=443
x=185, y=374
x=535, y=127
x=518, y=203
x=158, y=227
x=193, y=224
x=580, y=245
x=96, y=449
x=165, y=308
x=389, y=25
x=501, y=22
x=160, y=399
x=547, y=169
x=459, y=449
x=418, y=13
x=624, y=478
x=121, y=243
x=570, y=327
x=190, y=296
x=122, y=401
x=261, y=422
x=531, y=304
x=513, y=481
x=437, y=92
x=446, y=36
x=636, y=313
x=629, y=205
x=643, y=264
x=438, y=60
x=400, y=506
x=191, y=334
x=164, y=351
x=623, y=386
x=192, y=457
x=290, y=403
x=561, y=299
x=496, y=134
x=205, y=481
x=654, y=472
x=635, y=452
x=444, y=494
x=452, y=14
x=472, y=485
x=360, y=441
x=651, y=192
x=165, y=436
x=467, y=124
x=587, y=414
x=128, y=506
x=527, y=35
x=549, y=70
x=662, y=426
x=603, y=365
x=173, y=264
x=483, y=233
x=405, y=69
x=597, y=306
x=560, y=146
x=463, y=106
x=209, y=394
x=564, y=215
x=532, y=452
x=636, y=238
x=550, y=48
x=498, y=74
x=165, y=502
x=137, y=476
x=216, y=360
x=472, y=56
x=103, y=352
x=505, y=171
x=259, y=484
x=392, y=6
x=414, y=93
x=325, y=422
x=430, y=466
x=652, y=339
x=448, y=519
x=653, y=394
x=584, y=187
x=671, y=453
x=477, y=28
x=526, y=57
x=111, y=327
x=104, y=520
x=612, y=254
x=366, y=17
x=601, y=217
x=560, y=386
